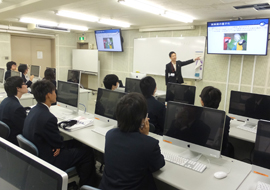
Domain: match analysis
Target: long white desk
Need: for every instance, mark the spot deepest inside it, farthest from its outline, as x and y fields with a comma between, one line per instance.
x=251, y=181
x=174, y=175
x=241, y=134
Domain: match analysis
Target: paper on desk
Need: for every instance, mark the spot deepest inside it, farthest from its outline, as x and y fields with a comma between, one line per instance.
x=82, y=122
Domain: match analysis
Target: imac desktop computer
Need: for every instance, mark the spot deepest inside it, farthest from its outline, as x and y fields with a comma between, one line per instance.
x=137, y=75
x=2, y=77
x=106, y=105
x=15, y=73
x=180, y=93
x=35, y=70
x=132, y=85
x=74, y=76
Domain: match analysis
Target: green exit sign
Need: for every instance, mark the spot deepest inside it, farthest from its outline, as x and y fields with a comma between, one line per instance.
x=82, y=38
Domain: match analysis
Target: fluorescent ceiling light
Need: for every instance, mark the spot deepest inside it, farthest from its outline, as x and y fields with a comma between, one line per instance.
x=155, y=9
x=144, y=6
x=114, y=23
x=73, y=27
x=177, y=16
x=36, y=21
x=78, y=16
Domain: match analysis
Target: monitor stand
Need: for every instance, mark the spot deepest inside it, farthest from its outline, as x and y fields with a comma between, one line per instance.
x=194, y=156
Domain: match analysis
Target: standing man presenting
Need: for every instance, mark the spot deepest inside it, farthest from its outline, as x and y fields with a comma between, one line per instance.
x=173, y=71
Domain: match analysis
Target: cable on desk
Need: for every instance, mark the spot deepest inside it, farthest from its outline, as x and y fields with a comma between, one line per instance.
x=83, y=106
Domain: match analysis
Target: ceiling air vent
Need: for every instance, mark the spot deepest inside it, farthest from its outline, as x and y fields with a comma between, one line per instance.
x=258, y=7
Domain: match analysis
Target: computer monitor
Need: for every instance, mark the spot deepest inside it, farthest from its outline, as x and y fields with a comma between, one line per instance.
x=261, y=156
x=199, y=129
x=180, y=93
x=74, y=76
x=35, y=70
x=106, y=105
x=132, y=85
x=249, y=107
x=68, y=95
x=2, y=75
x=15, y=73
x=21, y=170
x=137, y=75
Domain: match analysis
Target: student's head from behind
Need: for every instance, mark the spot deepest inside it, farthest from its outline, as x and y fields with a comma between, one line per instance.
x=49, y=74
x=210, y=97
x=44, y=92
x=131, y=112
x=172, y=56
x=23, y=68
x=11, y=65
x=111, y=82
x=15, y=86
x=148, y=86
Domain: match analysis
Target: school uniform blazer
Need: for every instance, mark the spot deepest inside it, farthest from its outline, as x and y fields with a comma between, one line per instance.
x=28, y=83
x=40, y=127
x=130, y=160
x=175, y=76
x=156, y=113
x=7, y=74
x=13, y=114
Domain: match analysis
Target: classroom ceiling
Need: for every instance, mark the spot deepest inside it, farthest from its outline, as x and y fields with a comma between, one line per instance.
x=201, y=10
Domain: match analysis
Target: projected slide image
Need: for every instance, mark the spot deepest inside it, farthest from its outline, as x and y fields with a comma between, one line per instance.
x=235, y=41
x=108, y=43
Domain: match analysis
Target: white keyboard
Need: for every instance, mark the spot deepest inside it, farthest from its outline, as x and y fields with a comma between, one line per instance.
x=262, y=186
x=248, y=128
x=176, y=159
x=102, y=130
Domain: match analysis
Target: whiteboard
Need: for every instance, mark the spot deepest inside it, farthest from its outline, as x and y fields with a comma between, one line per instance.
x=84, y=59
x=152, y=54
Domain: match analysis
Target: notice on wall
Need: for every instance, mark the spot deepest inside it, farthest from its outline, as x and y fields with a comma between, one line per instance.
x=39, y=55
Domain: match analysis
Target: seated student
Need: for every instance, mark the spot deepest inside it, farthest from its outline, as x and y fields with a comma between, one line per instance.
x=24, y=70
x=111, y=82
x=11, y=66
x=50, y=76
x=40, y=127
x=156, y=110
x=130, y=155
x=211, y=97
x=11, y=111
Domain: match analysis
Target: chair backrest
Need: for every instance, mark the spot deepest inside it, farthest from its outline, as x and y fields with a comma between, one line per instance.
x=86, y=187
x=4, y=130
x=152, y=128
x=27, y=145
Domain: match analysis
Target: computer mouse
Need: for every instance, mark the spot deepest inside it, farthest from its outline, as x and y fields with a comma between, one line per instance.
x=220, y=175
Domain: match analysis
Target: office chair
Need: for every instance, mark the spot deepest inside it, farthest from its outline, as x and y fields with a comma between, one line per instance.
x=4, y=130
x=31, y=148
x=152, y=128
x=86, y=187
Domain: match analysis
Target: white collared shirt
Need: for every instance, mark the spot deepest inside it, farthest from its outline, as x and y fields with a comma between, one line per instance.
x=174, y=65
x=46, y=106
x=17, y=98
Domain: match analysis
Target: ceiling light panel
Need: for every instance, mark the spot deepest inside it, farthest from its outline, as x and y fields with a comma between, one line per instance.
x=78, y=16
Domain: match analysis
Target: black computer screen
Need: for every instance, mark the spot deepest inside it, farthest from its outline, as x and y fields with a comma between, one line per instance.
x=35, y=70
x=17, y=171
x=2, y=73
x=180, y=93
x=107, y=101
x=68, y=93
x=198, y=125
x=256, y=106
x=262, y=145
x=132, y=85
x=74, y=76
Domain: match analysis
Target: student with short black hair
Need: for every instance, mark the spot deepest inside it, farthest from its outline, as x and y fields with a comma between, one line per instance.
x=211, y=97
x=11, y=66
x=23, y=68
x=111, y=82
x=156, y=110
x=130, y=155
x=11, y=111
x=40, y=127
x=50, y=76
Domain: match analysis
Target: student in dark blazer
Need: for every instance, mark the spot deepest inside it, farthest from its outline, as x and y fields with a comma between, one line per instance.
x=50, y=76
x=111, y=82
x=40, y=127
x=11, y=111
x=24, y=70
x=11, y=66
x=211, y=97
x=173, y=72
x=156, y=110
x=130, y=155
